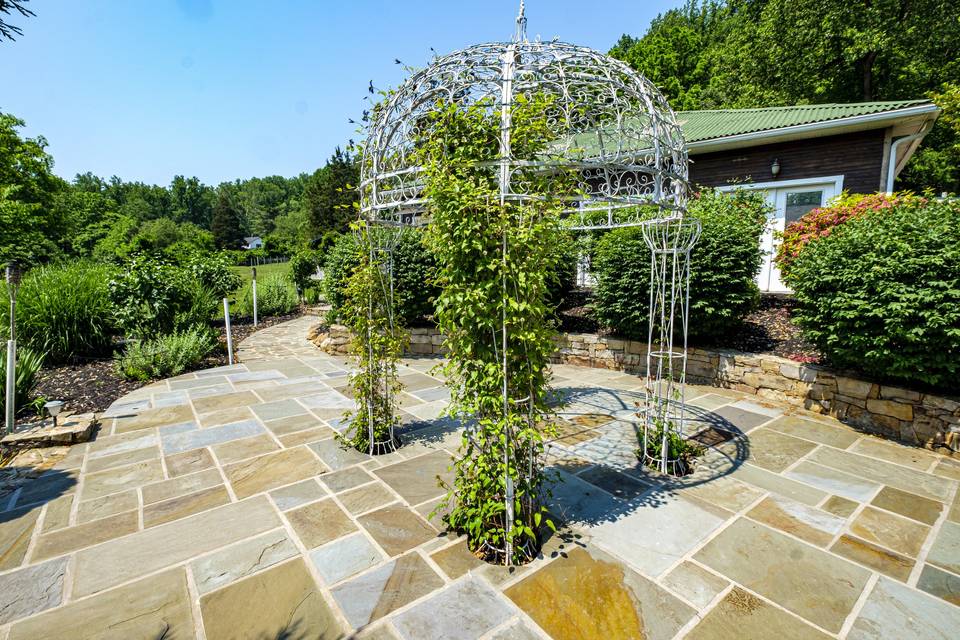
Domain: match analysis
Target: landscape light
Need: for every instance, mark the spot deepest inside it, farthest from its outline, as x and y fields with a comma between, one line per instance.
x=53, y=408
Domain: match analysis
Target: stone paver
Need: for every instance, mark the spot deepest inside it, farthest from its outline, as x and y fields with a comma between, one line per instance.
x=222, y=501
x=743, y=615
x=281, y=602
x=595, y=597
x=250, y=556
x=379, y=592
x=895, y=611
x=811, y=583
x=155, y=607
x=345, y=557
x=320, y=522
x=474, y=608
x=31, y=589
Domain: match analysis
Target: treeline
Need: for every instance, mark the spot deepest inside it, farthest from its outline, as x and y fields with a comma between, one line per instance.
x=758, y=53
x=43, y=217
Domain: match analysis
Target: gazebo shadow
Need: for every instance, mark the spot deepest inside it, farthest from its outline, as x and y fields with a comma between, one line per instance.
x=601, y=480
x=35, y=491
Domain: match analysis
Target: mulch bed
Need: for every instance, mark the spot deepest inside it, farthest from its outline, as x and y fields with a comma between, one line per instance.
x=769, y=329
x=93, y=385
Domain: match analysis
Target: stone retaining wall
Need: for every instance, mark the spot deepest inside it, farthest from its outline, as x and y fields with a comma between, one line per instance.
x=911, y=416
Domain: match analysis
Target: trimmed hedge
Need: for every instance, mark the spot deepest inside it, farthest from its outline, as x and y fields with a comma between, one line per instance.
x=724, y=264
x=881, y=293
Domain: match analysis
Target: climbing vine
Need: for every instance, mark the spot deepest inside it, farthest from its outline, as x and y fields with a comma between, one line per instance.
x=494, y=264
x=378, y=342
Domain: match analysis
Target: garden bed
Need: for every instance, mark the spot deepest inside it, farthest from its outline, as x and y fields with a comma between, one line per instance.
x=768, y=330
x=93, y=385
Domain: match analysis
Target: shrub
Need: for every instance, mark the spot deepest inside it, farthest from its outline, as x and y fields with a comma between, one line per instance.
x=562, y=277
x=340, y=263
x=64, y=310
x=29, y=363
x=212, y=270
x=724, y=264
x=303, y=264
x=152, y=297
x=165, y=356
x=882, y=292
x=823, y=221
x=275, y=297
x=414, y=271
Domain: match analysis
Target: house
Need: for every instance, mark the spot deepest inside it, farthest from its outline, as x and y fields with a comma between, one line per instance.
x=802, y=156
x=253, y=242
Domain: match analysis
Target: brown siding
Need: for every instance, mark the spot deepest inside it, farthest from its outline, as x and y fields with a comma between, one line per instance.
x=858, y=157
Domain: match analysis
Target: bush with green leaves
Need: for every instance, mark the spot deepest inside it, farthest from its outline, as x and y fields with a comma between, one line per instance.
x=275, y=297
x=64, y=310
x=414, y=270
x=723, y=267
x=212, y=270
x=882, y=292
x=29, y=363
x=152, y=297
x=167, y=355
x=562, y=274
x=303, y=264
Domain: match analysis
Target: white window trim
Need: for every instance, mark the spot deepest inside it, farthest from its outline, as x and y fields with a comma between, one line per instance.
x=837, y=182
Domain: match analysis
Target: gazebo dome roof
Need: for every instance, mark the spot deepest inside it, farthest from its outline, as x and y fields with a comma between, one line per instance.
x=609, y=125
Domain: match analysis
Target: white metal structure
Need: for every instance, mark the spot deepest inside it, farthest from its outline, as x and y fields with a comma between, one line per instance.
x=609, y=127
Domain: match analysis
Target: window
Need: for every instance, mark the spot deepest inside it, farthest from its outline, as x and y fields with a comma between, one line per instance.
x=800, y=202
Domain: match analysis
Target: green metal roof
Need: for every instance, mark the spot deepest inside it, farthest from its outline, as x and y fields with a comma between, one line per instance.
x=708, y=125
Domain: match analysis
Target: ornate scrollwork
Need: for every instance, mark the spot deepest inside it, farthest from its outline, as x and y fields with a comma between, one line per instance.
x=611, y=128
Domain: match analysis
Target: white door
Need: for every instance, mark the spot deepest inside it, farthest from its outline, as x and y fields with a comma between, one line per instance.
x=788, y=204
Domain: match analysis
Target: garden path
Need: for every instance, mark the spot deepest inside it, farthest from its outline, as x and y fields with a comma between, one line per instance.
x=218, y=504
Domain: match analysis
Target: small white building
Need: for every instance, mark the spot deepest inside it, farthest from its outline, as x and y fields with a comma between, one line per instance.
x=253, y=242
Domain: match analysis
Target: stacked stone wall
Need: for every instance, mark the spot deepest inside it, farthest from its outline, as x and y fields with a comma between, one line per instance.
x=915, y=417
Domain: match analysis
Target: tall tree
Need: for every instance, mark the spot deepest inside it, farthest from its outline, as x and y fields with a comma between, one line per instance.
x=8, y=7
x=192, y=201
x=330, y=193
x=227, y=224
x=757, y=53
x=29, y=223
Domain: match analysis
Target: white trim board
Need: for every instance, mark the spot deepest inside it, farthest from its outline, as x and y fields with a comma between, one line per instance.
x=837, y=182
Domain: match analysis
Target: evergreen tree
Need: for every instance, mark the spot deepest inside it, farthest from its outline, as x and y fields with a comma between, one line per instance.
x=330, y=193
x=227, y=224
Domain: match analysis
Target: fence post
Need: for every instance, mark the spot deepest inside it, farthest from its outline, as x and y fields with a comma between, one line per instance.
x=226, y=320
x=253, y=286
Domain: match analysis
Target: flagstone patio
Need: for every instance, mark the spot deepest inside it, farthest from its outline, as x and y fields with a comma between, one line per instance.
x=218, y=504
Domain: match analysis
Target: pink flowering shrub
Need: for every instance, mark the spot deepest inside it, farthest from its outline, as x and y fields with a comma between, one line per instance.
x=821, y=222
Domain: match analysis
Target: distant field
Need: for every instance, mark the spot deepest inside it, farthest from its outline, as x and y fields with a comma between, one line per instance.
x=263, y=271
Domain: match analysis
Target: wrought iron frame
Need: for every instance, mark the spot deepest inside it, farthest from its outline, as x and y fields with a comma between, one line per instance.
x=614, y=130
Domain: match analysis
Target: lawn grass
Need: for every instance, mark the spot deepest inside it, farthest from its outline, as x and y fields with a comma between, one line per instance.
x=263, y=271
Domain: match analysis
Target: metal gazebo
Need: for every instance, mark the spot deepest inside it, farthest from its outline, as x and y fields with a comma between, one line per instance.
x=611, y=127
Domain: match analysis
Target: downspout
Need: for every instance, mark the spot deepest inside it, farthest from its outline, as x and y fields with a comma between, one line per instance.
x=894, y=146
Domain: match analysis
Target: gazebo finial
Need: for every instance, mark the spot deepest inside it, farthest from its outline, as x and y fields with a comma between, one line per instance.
x=521, y=34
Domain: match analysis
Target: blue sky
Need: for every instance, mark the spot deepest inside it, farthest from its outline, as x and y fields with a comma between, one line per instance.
x=225, y=89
